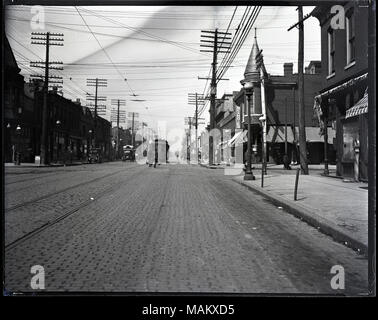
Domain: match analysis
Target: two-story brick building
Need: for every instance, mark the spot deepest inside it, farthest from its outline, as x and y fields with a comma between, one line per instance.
x=71, y=127
x=342, y=100
x=281, y=98
x=21, y=126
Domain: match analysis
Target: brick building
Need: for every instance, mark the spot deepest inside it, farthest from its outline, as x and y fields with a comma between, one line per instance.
x=281, y=98
x=21, y=125
x=71, y=127
x=342, y=99
x=282, y=108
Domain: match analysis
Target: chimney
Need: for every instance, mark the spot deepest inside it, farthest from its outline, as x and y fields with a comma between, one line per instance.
x=78, y=101
x=288, y=69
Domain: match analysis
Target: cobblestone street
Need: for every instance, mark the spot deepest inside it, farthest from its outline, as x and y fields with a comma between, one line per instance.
x=177, y=228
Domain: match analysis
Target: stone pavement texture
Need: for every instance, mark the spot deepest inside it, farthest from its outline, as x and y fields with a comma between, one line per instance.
x=176, y=228
x=339, y=208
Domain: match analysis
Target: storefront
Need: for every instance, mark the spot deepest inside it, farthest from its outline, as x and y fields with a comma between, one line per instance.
x=346, y=107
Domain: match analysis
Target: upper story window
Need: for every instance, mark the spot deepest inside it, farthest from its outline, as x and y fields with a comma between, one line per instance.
x=331, y=51
x=350, y=37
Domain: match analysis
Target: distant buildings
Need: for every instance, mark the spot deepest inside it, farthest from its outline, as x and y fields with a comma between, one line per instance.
x=72, y=128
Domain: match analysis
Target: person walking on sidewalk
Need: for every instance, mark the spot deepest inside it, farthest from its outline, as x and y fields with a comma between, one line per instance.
x=156, y=152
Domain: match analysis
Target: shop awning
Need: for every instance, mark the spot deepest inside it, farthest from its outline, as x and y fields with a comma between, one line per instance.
x=345, y=85
x=237, y=139
x=360, y=107
x=312, y=134
x=276, y=134
x=241, y=138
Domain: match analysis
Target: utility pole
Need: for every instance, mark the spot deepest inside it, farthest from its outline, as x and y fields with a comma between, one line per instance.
x=117, y=114
x=286, y=157
x=132, y=130
x=46, y=39
x=294, y=134
x=197, y=100
x=222, y=47
x=264, y=121
x=301, y=106
x=96, y=82
x=301, y=114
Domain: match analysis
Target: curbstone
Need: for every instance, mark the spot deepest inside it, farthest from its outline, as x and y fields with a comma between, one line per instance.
x=323, y=225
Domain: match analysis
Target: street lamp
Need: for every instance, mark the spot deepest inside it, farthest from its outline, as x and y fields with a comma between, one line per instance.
x=248, y=87
x=90, y=138
x=18, y=152
x=58, y=123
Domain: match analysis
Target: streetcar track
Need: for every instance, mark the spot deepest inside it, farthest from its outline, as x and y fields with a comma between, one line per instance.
x=62, y=190
x=66, y=214
x=44, y=175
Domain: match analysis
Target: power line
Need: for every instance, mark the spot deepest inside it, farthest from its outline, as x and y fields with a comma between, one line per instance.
x=143, y=32
x=247, y=28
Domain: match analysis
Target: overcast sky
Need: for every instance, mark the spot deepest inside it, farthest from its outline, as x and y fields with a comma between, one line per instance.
x=156, y=49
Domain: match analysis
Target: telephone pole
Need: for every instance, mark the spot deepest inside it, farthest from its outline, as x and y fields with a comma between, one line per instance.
x=96, y=82
x=118, y=103
x=301, y=114
x=46, y=39
x=197, y=100
x=301, y=107
x=211, y=41
x=132, y=130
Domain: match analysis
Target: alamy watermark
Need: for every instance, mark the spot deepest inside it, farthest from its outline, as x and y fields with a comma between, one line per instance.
x=338, y=280
x=37, y=281
x=338, y=18
x=37, y=21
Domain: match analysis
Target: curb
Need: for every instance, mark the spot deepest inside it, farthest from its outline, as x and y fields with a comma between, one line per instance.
x=210, y=167
x=47, y=166
x=321, y=224
x=55, y=165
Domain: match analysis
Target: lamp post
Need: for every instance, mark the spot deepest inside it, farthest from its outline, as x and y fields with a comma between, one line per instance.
x=18, y=153
x=248, y=87
x=9, y=140
x=57, y=122
x=120, y=148
x=90, y=139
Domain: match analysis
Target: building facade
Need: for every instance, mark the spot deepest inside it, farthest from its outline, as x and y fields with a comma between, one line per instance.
x=71, y=127
x=281, y=100
x=342, y=100
x=282, y=115
x=21, y=127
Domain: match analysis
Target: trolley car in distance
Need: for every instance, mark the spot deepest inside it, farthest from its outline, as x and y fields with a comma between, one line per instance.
x=128, y=153
x=157, y=152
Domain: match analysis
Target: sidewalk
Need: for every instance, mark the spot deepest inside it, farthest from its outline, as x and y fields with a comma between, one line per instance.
x=335, y=207
x=33, y=165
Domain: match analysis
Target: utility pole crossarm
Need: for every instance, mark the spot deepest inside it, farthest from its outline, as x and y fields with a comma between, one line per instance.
x=46, y=39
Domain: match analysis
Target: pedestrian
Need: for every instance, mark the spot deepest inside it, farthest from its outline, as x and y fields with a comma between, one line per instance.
x=156, y=152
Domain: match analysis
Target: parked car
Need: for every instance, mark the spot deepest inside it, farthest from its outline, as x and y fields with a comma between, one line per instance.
x=94, y=155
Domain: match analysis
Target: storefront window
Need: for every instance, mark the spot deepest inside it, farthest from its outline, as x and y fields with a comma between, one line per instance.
x=350, y=37
x=331, y=51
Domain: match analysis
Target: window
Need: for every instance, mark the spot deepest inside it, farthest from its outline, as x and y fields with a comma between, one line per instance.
x=331, y=51
x=350, y=38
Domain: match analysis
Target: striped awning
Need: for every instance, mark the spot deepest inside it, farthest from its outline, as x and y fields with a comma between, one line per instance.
x=238, y=138
x=276, y=134
x=359, y=108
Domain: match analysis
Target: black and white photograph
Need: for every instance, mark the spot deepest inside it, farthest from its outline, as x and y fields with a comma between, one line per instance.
x=178, y=148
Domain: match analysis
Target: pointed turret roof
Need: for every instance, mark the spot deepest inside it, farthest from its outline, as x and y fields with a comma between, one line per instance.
x=251, y=72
